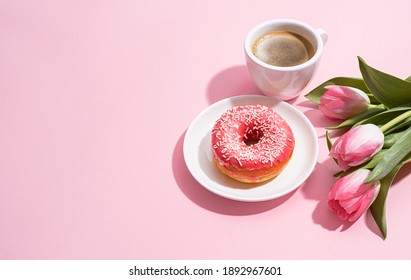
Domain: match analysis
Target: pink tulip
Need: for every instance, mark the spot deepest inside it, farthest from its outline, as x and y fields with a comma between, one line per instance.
x=350, y=197
x=357, y=145
x=341, y=102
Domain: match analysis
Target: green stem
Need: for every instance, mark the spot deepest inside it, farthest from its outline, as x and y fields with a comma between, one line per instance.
x=396, y=120
x=373, y=106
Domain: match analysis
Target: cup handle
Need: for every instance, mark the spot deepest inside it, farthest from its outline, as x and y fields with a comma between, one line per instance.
x=323, y=35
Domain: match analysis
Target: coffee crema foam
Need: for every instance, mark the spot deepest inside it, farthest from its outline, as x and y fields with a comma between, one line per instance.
x=282, y=48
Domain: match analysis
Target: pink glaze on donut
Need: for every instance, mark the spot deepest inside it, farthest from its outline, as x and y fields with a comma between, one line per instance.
x=249, y=139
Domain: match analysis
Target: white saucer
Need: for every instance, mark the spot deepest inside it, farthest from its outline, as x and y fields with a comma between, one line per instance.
x=199, y=160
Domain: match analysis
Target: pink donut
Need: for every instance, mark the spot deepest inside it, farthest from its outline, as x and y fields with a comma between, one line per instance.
x=251, y=143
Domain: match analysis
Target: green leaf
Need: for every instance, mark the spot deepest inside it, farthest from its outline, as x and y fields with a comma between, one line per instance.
x=392, y=158
x=385, y=116
x=329, y=142
x=360, y=117
x=378, y=207
x=408, y=79
x=391, y=139
x=389, y=90
x=316, y=93
x=404, y=124
x=373, y=100
x=339, y=174
x=367, y=165
x=374, y=160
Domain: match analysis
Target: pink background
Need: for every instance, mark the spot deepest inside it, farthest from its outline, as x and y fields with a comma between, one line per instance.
x=95, y=99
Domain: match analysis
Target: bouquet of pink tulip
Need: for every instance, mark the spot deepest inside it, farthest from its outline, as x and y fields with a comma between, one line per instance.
x=376, y=110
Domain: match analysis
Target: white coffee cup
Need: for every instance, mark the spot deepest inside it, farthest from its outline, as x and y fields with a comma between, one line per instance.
x=284, y=82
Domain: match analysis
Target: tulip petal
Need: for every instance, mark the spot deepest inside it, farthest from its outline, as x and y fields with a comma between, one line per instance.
x=351, y=205
x=349, y=197
x=357, y=145
x=332, y=194
x=333, y=204
x=342, y=102
x=342, y=214
x=349, y=92
x=367, y=200
x=351, y=185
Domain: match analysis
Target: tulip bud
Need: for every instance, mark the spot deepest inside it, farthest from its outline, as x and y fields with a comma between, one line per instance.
x=350, y=197
x=341, y=102
x=357, y=145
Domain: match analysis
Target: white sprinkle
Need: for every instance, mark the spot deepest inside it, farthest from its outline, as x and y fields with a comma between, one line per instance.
x=261, y=123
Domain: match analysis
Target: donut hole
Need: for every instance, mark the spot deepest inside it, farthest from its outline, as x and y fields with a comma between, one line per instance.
x=252, y=137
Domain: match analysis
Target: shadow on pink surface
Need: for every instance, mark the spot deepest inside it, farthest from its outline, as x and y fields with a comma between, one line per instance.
x=316, y=117
x=210, y=201
x=232, y=81
x=320, y=182
x=402, y=174
x=316, y=188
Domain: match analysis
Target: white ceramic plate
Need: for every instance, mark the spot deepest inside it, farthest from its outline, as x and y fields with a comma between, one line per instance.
x=199, y=159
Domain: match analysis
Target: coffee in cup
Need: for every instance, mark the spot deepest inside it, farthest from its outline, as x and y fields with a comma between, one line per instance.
x=282, y=56
x=282, y=48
